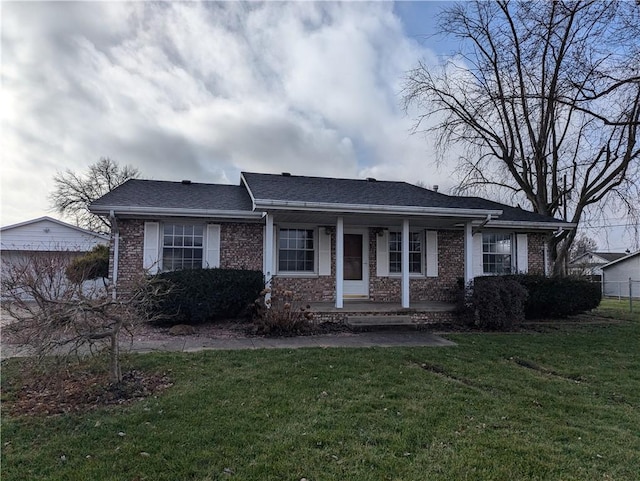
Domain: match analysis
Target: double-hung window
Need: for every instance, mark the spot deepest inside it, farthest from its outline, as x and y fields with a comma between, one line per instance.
x=296, y=250
x=415, y=252
x=496, y=253
x=182, y=246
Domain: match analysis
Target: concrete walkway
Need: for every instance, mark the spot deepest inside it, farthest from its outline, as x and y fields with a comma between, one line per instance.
x=194, y=343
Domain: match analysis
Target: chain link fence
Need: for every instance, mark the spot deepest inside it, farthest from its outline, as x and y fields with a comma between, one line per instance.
x=629, y=289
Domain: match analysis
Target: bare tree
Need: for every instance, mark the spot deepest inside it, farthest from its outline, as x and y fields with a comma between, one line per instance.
x=56, y=316
x=581, y=245
x=74, y=192
x=544, y=98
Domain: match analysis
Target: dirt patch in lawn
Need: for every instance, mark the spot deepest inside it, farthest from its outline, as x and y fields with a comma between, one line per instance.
x=77, y=391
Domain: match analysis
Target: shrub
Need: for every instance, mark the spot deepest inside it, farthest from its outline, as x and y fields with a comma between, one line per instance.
x=494, y=303
x=92, y=265
x=201, y=295
x=280, y=314
x=558, y=297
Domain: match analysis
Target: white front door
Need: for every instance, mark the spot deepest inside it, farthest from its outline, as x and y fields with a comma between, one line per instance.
x=356, y=263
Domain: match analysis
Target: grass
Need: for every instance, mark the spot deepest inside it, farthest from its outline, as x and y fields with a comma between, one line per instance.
x=559, y=404
x=619, y=309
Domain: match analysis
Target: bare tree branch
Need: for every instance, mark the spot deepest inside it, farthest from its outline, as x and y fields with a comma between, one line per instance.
x=548, y=91
x=74, y=192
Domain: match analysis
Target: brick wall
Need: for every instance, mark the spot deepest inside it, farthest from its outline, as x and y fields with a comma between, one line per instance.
x=535, y=243
x=130, y=253
x=387, y=289
x=241, y=246
x=441, y=288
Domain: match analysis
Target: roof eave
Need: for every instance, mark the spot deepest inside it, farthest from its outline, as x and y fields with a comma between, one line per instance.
x=628, y=256
x=176, y=212
x=267, y=204
x=537, y=225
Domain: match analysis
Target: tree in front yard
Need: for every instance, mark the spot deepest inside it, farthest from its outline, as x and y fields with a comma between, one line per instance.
x=58, y=316
x=544, y=99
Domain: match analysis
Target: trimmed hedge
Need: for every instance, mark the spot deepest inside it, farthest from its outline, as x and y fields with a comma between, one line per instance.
x=201, y=295
x=494, y=303
x=558, y=297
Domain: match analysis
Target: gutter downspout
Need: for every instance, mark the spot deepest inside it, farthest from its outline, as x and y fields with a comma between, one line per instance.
x=116, y=249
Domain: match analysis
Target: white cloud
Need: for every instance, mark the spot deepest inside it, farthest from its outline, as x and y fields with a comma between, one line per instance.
x=202, y=91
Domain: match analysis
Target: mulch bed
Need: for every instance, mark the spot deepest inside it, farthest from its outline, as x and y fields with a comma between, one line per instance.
x=77, y=391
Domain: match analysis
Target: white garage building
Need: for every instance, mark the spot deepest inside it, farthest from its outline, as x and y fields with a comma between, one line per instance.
x=44, y=235
x=616, y=275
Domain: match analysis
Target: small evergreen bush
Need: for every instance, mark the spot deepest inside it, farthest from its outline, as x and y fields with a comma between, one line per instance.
x=494, y=303
x=201, y=295
x=558, y=297
x=92, y=265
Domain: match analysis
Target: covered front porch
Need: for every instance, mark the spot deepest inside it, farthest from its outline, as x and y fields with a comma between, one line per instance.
x=354, y=263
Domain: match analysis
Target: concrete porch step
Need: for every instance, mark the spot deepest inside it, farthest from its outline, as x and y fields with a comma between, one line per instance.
x=379, y=321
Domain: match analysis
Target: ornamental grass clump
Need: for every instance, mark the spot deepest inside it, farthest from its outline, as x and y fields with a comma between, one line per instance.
x=277, y=313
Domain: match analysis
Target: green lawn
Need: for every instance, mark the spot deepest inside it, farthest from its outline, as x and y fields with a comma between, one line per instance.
x=619, y=309
x=563, y=404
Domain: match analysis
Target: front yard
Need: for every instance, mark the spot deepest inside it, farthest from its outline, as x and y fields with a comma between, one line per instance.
x=558, y=402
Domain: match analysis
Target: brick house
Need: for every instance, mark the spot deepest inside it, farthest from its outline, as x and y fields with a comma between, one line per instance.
x=328, y=240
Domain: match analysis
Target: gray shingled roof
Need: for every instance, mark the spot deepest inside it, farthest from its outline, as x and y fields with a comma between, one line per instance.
x=157, y=194
x=362, y=192
x=509, y=213
x=610, y=256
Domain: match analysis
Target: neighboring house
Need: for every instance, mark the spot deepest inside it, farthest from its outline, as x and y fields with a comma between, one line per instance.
x=590, y=263
x=325, y=239
x=43, y=236
x=616, y=276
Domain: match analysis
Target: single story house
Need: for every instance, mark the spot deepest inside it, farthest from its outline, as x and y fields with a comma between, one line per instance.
x=590, y=263
x=326, y=239
x=621, y=275
x=43, y=236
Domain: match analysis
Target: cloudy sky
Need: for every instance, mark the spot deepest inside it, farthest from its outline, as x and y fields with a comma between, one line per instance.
x=202, y=91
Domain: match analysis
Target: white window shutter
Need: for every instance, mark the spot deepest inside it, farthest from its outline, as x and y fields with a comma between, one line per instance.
x=151, y=247
x=432, y=253
x=324, y=253
x=478, y=269
x=522, y=253
x=276, y=251
x=382, y=254
x=211, y=258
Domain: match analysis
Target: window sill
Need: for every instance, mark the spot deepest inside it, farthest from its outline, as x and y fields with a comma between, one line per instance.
x=298, y=275
x=397, y=275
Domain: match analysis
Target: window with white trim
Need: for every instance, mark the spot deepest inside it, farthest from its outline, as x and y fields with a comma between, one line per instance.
x=415, y=252
x=496, y=253
x=296, y=250
x=182, y=246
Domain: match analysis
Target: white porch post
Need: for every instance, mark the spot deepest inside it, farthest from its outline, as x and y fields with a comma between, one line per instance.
x=339, y=263
x=468, y=253
x=268, y=253
x=405, y=263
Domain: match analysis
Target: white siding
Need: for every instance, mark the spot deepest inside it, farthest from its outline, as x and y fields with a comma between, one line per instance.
x=616, y=277
x=48, y=235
